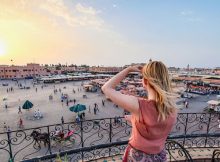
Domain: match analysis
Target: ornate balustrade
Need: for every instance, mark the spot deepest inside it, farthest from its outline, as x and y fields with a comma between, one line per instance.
x=21, y=145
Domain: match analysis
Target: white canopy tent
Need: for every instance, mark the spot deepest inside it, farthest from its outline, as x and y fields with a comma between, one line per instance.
x=213, y=102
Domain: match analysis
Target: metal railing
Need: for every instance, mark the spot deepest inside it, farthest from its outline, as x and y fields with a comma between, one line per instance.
x=21, y=145
x=175, y=151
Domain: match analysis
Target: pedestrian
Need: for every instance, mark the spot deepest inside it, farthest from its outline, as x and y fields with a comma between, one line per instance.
x=19, y=110
x=62, y=120
x=187, y=104
x=89, y=109
x=83, y=115
x=61, y=99
x=5, y=126
x=77, y=119
x=184, y=101
x=118, y=119
x=94, y=110
x=35, y=113
x=7, y=90
x=96, y=107
x=6, y=105
x=36, y=89
x=21, y=123
x=67, y=102
x=115, y=119
x=74, y=101
x=103, y=103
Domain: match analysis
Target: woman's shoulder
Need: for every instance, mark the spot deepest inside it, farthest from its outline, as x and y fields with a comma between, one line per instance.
x=143, y=101
x=146, y=105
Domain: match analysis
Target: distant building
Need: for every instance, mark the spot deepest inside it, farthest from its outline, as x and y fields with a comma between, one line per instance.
x=173, y=69
x=102, y=69
x=60, y=69
x=30, y=70
x=188, y=68
x=82, y=68
x=217, y=71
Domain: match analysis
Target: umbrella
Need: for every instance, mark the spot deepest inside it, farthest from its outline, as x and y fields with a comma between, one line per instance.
x=77, y=108
x=213, y=102
x=27, y=105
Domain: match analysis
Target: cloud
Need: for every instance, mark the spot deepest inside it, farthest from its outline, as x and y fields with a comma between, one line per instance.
x=78, y=15
x=86, y=10
x=52, y=13
x=55, y=27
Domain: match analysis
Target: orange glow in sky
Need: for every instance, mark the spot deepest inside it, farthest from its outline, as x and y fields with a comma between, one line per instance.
x=2, y=48
x=109, y=33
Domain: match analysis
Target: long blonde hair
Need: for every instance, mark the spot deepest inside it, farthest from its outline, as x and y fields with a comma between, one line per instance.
x=156, y=75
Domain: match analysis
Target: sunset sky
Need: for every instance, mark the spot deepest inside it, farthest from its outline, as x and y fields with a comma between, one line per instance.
x=110, y=32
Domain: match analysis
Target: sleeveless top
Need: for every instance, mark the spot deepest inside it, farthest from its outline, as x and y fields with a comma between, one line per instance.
x=149, y=134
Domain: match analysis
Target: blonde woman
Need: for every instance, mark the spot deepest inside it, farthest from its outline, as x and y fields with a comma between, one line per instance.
x=153, y=118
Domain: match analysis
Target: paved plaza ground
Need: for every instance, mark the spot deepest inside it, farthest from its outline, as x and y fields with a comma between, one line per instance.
x=53, y=110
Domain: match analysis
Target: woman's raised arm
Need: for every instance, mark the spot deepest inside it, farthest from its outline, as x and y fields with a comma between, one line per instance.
x=129, y=103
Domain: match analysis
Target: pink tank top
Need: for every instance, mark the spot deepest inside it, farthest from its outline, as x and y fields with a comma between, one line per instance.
x=149, y=134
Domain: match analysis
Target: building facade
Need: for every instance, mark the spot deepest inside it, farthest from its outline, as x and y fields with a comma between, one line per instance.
x=101, y=69
x=30, y=70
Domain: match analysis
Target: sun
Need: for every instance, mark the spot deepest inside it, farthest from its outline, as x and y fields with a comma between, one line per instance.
x=2, y=49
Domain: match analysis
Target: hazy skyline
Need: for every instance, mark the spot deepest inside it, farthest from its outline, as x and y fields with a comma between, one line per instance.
x=111, y=33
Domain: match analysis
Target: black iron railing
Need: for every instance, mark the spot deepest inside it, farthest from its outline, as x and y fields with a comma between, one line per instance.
x=114, y=150
x=175, y=151
x=21, y=144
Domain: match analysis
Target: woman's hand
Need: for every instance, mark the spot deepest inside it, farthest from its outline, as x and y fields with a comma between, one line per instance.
x=135, y=68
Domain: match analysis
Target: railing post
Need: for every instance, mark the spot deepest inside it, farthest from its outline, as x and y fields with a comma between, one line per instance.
x=9, y=144
x=110, y=135
x=185, y=129
x=110, y=131
x=207, y=132
x=49, y=144
x=81, y=129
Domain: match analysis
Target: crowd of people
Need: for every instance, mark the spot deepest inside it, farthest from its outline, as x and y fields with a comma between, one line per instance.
x=204, y=90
